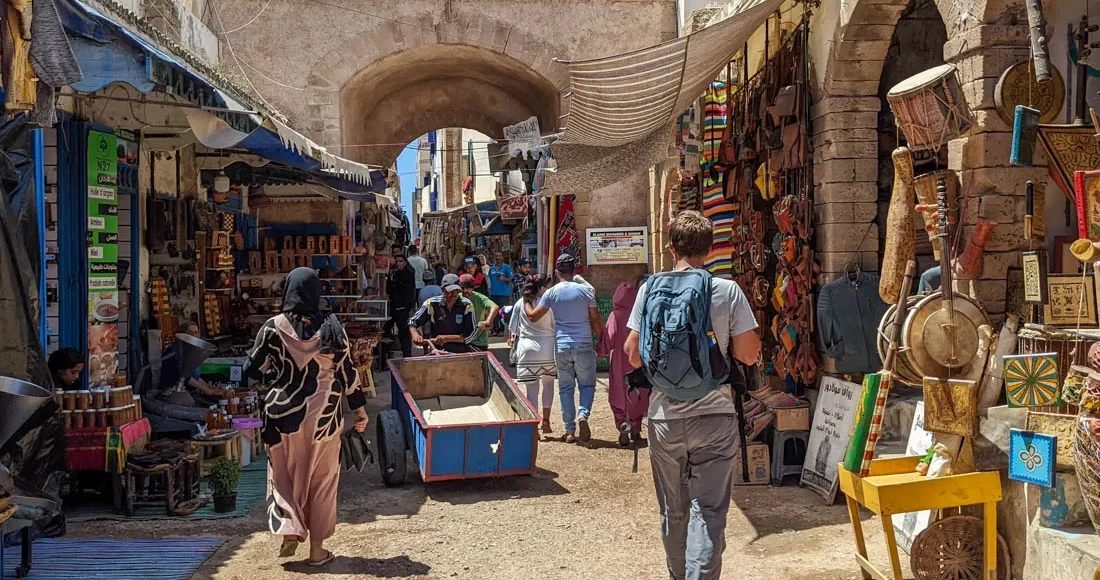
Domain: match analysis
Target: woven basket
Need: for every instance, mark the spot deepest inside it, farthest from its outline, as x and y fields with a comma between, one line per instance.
x=952, y=548
x=1086, y=443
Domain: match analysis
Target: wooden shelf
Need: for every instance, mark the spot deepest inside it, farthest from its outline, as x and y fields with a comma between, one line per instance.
x=220, y=268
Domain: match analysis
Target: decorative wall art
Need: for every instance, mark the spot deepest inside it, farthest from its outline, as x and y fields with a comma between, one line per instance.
x=1017, y=86
x=1086, y=190
x=950, y=406
x=1071, y=300
x=1031, y=457
x=1061, y=427
x=1035, y=277
x=1031, y=380
x=1071, y=148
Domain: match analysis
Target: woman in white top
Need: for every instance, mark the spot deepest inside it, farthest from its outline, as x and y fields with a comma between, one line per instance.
x=534, y=347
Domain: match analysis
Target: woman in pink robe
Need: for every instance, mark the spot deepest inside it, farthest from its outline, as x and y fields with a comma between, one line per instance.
x=629, y=407
x=304, y=364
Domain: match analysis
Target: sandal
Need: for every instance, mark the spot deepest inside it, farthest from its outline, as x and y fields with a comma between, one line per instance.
x=323, y=561
x=569, y=438
x=288, y=547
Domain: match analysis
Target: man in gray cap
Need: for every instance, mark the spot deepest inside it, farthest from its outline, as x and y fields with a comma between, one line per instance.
x=577, y=329
x=451, y=316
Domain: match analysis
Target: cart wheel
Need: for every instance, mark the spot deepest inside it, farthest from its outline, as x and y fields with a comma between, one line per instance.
x=391, y=448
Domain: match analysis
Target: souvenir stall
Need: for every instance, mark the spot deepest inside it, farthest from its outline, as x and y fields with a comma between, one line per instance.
x=147, y=221
x=1004, y=404
x=745, y=163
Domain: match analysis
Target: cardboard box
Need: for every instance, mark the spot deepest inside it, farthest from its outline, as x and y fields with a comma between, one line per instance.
x=760, y=465
x=792, y=419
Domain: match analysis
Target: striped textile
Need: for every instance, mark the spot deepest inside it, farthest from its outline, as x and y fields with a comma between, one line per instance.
x=619, y=99
x=715, y=207
x=111, y=559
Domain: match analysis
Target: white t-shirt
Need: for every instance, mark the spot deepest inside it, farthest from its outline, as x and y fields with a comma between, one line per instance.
x=420, y=265
x=730, y=315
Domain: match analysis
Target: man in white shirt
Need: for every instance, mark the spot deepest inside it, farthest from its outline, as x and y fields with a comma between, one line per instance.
x=693, y=443
x=419, y=266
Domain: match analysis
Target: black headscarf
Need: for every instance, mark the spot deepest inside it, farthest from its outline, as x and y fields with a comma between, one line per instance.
x=304, y=306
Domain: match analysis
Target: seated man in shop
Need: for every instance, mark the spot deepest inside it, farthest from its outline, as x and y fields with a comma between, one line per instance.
x=204, y=395
x=451, y=319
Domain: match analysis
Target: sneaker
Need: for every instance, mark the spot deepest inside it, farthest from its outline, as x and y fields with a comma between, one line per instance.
x=624, y=434
x=586, y=433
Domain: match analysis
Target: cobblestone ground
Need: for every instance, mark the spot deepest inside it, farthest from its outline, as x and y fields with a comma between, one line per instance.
x=584, y=515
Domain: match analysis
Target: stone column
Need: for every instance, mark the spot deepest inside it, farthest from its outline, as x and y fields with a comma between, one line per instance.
x=845, y=146
x=989, y=186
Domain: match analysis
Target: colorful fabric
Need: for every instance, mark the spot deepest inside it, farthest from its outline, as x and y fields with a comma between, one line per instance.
x=886, y=378
x=568, y=241
x=715, y=207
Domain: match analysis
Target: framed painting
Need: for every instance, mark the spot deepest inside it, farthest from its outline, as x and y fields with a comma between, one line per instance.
x=1071, y=301
x=1035, y=277
x=1031, y=380
x=1064, y=262
x=1086, y=191
x=1031, y=457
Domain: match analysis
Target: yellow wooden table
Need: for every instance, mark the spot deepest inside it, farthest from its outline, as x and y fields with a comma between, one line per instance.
x=894, y=487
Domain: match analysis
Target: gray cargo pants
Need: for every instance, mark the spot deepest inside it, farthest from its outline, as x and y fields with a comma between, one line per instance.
x=692, y=462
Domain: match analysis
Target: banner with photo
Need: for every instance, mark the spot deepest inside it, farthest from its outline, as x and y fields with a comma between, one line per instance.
x=103, y=302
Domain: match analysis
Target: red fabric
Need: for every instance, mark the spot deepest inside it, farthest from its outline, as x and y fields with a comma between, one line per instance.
x=567, y=238
x=86, y=448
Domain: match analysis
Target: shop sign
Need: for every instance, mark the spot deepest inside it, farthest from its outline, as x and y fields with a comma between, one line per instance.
x=103, y=303
x=614, y=246
x=523, y=136
x=829, y=435
x=514, y=207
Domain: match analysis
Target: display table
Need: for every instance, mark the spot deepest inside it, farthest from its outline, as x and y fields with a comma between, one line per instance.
x=226, y=444
x=894, y=487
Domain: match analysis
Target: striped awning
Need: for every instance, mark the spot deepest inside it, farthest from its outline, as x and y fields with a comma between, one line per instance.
x=619, y=99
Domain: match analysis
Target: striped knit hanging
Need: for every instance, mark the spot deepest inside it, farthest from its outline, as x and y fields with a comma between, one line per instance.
x=715, y=207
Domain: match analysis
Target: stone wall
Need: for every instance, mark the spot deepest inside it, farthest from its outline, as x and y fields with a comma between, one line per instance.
x=985, y=37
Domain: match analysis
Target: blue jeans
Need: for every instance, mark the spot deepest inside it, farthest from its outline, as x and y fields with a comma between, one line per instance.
x=576, y=367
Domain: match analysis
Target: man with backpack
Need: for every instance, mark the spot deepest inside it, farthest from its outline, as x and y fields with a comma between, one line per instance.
x=576, y=322
x=684, y=326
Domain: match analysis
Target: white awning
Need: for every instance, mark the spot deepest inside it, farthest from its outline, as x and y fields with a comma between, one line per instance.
x=620, y=99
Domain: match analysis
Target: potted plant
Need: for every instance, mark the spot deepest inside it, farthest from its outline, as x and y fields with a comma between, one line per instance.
x=224, y=474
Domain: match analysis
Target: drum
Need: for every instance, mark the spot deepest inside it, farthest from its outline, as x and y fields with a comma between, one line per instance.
x=929, y=108
x=925, y=186
x=914, y=336
x=903, y=370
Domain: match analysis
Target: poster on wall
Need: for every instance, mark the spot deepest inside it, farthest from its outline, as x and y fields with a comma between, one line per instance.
x=829, y=435
x=102, y=258
x=523, y=136
x=615, y=246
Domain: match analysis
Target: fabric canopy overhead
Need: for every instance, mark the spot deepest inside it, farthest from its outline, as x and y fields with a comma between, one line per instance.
x=619, y=99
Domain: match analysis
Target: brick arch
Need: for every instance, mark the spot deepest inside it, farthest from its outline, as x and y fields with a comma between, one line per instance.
x=394, y=79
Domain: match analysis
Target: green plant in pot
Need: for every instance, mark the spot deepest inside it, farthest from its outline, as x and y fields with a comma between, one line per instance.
x=224, y=474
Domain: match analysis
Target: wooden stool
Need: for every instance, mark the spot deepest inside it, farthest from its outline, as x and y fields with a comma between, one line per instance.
x=894, y=487
x=209, y=451
x=153, y=486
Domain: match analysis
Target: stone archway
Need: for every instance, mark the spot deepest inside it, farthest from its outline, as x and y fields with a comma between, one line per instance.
x=985, y=37
x=400, y=97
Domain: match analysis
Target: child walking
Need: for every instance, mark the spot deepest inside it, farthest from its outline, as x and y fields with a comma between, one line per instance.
x=629, y=407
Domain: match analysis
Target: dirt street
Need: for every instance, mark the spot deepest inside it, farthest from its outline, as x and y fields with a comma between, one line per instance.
x=584, y=515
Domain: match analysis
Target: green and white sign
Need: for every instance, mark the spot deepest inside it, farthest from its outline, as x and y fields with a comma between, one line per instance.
x=103, y=303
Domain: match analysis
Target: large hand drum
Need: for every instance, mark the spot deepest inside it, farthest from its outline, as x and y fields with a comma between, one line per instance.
x=929, y=108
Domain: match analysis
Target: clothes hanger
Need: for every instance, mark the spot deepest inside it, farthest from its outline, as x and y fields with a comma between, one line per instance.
x=852, y=270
